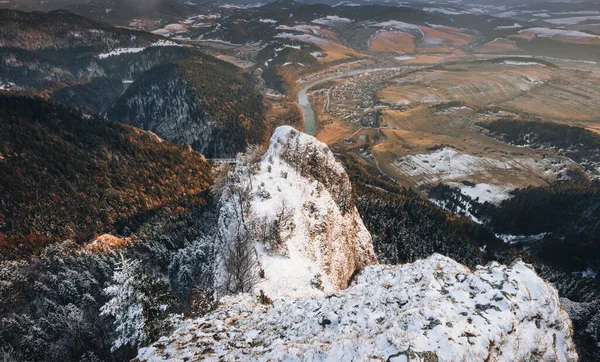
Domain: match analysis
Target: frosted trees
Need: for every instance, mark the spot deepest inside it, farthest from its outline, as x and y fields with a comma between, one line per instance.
x=139, y=303
x=125, y=306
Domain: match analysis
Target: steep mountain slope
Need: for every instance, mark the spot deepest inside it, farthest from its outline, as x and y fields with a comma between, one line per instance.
x=431, y=310
x=200, y=101
x=178, y=92
x=298, y=200
x=64, y=175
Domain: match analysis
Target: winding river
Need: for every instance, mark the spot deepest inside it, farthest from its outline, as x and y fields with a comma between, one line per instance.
x=310, y=121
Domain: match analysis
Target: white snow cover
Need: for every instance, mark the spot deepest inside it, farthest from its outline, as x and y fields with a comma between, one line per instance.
x=515, y=62
x=514, y=26
x=446, y=163
x=494, y=194
x=449, y=165
x=119, y=51
x=443, y=11
x=571, y=20
x=331, y=19
x=550, y=33
x=432, y=309
x=405, y=57
x=328, y=238
x=399, y=25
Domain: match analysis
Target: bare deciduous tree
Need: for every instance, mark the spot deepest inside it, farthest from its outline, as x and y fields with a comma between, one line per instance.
x=241, y=264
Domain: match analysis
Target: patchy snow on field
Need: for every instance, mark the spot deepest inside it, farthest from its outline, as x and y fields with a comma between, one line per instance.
x=515, y=62
x=331, y=20
x=399, y=25
x=449, y=165
x=171, y=29
x=405, y=57
x=484, y=192
x=446, y=163
x=432, y=309
x=307, y=38
x=550, y=33
x=119, y=51
x=443, y=11
x=514, y=26
x=268, y=21
x=507, y=14
x=346, y=3
x=571, y=20
x=303, y=28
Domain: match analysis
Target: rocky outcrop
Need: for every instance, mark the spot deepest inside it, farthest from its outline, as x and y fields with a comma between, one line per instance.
x=300, y=199
x=430, y=310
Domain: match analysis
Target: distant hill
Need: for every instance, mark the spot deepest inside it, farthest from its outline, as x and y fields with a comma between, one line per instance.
x=116, y=12
x=66, y=175
x=210, y=104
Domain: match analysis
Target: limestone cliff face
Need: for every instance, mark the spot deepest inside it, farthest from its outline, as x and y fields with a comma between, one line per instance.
x=323, y=241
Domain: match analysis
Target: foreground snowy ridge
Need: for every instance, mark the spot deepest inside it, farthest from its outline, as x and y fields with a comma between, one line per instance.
x=299, y=196
x=429, y=310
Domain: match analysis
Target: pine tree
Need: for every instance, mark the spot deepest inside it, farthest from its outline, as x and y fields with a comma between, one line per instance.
x=139, y=303
x=125, y=305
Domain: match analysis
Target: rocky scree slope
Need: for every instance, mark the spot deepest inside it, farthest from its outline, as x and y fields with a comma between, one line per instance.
x=430, y=310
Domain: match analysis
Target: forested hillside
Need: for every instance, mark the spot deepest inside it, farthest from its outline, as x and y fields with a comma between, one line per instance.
x=177, y=91
x=577, y=143
x=406, y=228
x=200, y=101
x=65, y=175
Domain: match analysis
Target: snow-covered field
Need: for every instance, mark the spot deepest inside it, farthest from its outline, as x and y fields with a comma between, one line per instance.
x=572, y=20
x=331, y=20
x=443, y=11
x=399, y=25
x=514, y=26
x=432, y=309
x=515, y=62
x=447, y=164
x=484, y=192
x=550, y=33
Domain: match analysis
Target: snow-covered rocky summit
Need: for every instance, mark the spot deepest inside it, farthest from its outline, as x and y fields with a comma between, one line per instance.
x=294, y=206
x=430, y=310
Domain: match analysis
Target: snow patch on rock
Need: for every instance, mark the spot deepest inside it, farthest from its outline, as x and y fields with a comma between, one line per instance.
x=432, y=309
x=322, y=241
